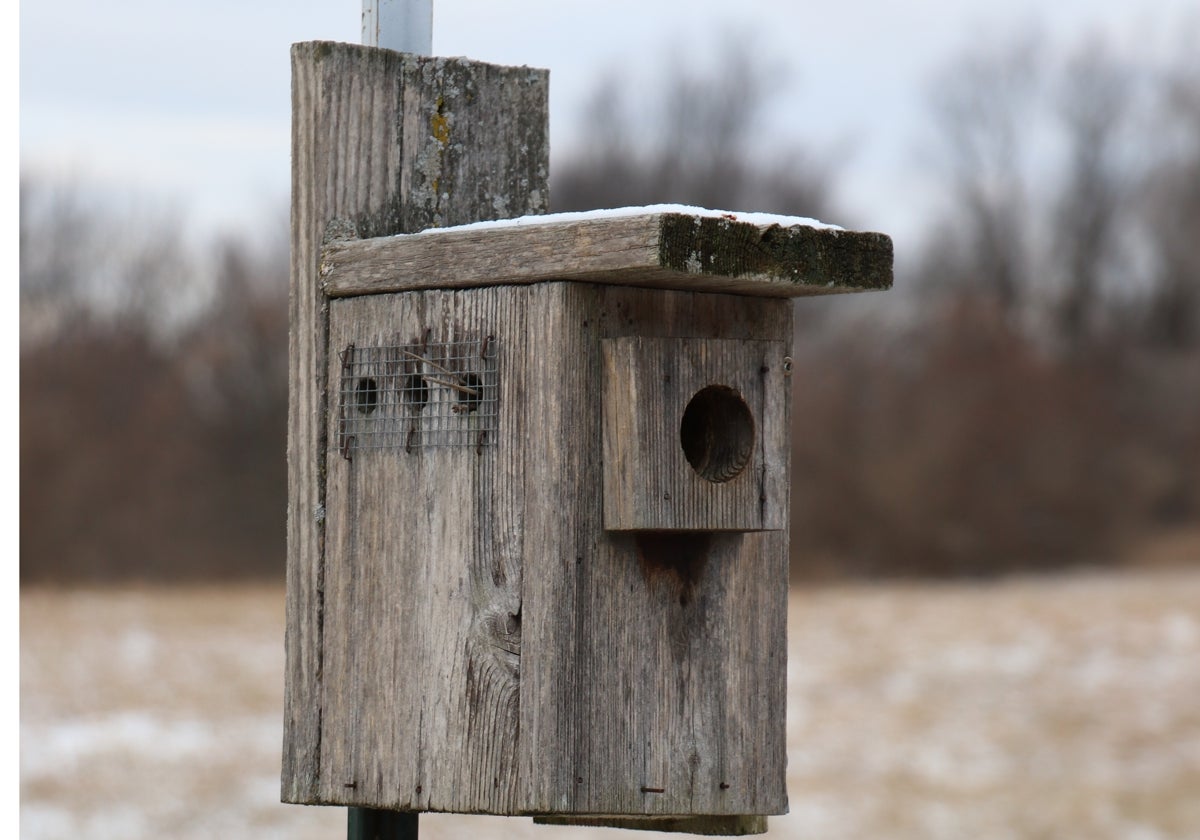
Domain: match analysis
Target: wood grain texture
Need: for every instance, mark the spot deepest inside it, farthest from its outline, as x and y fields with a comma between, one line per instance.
x=488, y=647
x=687, y=432
x=382, y=143
x=653, y=665
x=704, y=826
x=462, y=633
x=657, y=250
x=423, y=584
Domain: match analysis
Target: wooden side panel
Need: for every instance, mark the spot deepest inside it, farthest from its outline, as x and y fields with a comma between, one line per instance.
x=338, y=103
x=382, y=143
x=687, y=431
x=654, y=665
x=423, y=582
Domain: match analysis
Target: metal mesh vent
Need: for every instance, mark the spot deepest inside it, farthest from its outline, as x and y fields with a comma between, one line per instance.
x=414, y=396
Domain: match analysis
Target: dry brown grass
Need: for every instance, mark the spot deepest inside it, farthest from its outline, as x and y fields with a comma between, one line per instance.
x=1035, y=708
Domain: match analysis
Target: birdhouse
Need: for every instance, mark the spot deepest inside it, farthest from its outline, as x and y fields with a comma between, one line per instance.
x=552, y=473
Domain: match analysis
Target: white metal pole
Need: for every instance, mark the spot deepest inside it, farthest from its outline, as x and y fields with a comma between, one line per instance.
x=401, y=25
x=404, y=26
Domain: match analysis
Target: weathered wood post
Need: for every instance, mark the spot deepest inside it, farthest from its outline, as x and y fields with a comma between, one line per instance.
x=382, y=143
x=538, y=470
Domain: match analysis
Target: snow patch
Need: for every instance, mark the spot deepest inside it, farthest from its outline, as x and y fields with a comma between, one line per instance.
x=759, y=219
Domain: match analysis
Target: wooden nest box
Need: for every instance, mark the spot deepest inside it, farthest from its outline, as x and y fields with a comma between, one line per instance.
x=539, y=471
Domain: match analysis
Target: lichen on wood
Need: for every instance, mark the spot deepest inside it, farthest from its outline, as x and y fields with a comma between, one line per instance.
x=804, y=256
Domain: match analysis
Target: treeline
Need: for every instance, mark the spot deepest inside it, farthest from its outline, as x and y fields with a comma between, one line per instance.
x=1027, y=397
x=153, y=396
x=1039, y=402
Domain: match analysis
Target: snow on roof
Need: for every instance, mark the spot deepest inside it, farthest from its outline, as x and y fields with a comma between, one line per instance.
x=760, y=219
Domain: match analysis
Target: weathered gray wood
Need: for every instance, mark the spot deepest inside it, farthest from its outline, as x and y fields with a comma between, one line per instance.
x=707, y=826
x=423, y=583
x=382, y=143
x=462, y=633
x=687, y=432
x=657, y=250
x=488, y=646
x=653, y=665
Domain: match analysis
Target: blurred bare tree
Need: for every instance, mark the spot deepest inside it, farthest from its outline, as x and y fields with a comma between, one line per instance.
x=1088, y=217
x=1172, y=198
x=1044, y=407
x=690, y=139
x=151, y=426
x=1070, y=197
x=88, y=255
x=981, y=111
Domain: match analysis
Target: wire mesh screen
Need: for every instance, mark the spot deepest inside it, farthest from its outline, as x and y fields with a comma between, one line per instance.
x=414, y=396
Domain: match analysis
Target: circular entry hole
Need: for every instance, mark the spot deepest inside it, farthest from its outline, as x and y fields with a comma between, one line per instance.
x=717, y=433
x=366, y=395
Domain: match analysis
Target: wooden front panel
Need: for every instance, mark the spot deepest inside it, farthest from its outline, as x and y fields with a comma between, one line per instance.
x=689, y=434
x=653, y=668
x=488, y=646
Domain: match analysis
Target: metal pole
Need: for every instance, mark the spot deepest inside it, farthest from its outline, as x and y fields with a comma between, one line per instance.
x=369, y=824
x=404, y=26
x=401, y=25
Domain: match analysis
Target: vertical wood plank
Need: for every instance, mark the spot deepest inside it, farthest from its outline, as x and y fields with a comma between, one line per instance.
x=382, y=143
x=653, y=674
x=423, y=582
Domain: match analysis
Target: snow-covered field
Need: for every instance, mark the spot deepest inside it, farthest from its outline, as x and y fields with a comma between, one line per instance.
x=1035, y=708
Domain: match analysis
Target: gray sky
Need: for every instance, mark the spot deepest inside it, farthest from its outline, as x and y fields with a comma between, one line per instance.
x=189, y=102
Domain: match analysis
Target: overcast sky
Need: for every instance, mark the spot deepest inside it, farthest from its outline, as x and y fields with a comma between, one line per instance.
x=189, y=102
